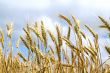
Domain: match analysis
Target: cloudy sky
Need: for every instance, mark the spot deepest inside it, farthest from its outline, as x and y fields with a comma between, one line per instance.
x=21, y=12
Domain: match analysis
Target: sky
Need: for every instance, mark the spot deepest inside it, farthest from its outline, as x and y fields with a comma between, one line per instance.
x=21, y=12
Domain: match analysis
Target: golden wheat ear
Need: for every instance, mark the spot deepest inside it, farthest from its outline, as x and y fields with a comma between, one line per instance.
x=91, y=31
x=66, y=19
x=59, y=36
x=69, y=33
x=18, y=42
x=44, y=34
x=20, y=55
x=2, y=38
x=107, y=49
x=106, y=24
x=9, y=29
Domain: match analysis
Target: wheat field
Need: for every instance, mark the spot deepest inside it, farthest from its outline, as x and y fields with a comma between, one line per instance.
x=52, y=57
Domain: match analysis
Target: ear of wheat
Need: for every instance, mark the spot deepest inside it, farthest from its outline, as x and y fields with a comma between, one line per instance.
x=2, y=38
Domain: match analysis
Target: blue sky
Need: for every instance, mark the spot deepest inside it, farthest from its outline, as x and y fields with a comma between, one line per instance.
x=21, y=12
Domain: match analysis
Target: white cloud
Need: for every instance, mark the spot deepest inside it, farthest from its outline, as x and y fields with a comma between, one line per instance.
x=24, y=4
x=35, y=4
x=63, y=2
x=95, y=3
